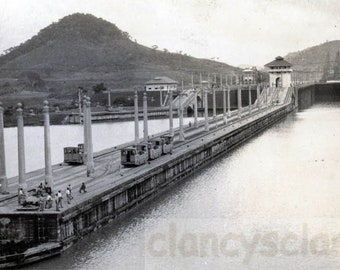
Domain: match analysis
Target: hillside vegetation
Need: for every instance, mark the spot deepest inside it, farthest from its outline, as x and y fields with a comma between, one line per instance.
x=82, y=50
x=314, y=58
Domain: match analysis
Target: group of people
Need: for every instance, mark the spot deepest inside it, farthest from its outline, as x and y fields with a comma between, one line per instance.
x=47, y=202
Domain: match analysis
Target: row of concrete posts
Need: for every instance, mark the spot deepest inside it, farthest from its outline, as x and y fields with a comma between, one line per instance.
x=226, y=109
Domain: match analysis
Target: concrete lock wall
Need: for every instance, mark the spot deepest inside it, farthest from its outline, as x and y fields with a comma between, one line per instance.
x=103, y=208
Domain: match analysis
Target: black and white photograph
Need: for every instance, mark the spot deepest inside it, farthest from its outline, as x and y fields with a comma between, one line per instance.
x=169, y=134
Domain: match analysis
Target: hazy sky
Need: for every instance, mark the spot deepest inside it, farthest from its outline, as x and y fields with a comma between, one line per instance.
x=232, y=31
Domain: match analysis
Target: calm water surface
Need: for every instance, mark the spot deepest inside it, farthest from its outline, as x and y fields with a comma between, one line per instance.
x=271, y=204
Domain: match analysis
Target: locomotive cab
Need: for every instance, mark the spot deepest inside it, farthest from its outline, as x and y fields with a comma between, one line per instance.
x=134, y=155
x=74, y=155
x=167, y=144
x=155, y=148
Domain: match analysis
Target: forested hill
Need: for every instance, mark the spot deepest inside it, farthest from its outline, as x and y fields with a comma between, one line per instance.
x=81, y=46
x=315, y=58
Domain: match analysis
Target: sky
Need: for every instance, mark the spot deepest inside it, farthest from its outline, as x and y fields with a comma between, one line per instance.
x=236, y=32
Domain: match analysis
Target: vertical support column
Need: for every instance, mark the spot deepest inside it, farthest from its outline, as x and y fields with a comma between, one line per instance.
x=181, y=130
x=3, y=177
x=85, y=123
x=195, y=102
x=145, y=117
x=109, y=98
x=239, y=101
x=160, y=98
x=21, y=149
x=224, y=101
x=90, y=163
x=228, y=94
x=249, y=98
x=258, y=96
x=206, y=117
x=171, y=118
x=136, y=118
x=47, y=147
x=214, y=102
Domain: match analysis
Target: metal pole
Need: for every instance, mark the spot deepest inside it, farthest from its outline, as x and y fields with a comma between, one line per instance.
x=171, y=118
x=136, y=118
x=214, y=103
x=145, y=117
x=21, y=149
x=79, y=102
x=228, y=94
x=47, y=146
x=3, y=177
x=90, y=163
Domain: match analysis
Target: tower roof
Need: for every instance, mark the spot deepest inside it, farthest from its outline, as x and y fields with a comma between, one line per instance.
x=278, y=62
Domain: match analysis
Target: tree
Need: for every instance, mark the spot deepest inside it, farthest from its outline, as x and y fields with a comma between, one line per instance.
x=154, y=47
x=98, y=88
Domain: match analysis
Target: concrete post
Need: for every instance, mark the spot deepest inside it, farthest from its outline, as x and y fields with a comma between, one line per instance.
x=79, y=103
x=47, y=146
x=109, y=98
x=249, y=98
x=3, y=177
x=181, y=129
x=228, y=93
x=136, y=118
x=171, y=118
x=145, y=117
x=195, y=102
x=206, y=117
x=85, y=123
x=160, y=98
x=224, y=102
x=21, y=149
x=258, y=96
x=90, y=163
x=239, y=101
x=214, y=103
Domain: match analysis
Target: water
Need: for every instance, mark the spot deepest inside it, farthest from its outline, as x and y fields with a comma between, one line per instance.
x=271, y=204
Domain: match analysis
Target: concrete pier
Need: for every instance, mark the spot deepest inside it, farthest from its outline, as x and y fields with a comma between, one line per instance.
x=47, y=147
x=214, y=102
x=224, y=101
x=111, y=193
x=21, y=150
x=145, y=117
x=3, y=177
x=228, y=100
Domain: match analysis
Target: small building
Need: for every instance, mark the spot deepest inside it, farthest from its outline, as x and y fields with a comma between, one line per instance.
x=161, y=84
x=249, y=75
x=280, y=72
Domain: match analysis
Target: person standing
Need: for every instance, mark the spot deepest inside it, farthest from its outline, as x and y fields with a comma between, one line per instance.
x=48, y=204
x=68, y=195
x=60, y=199
x=69, y=187
x=57, y=202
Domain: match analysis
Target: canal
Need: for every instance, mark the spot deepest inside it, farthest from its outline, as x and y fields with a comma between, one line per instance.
x=273, y=203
